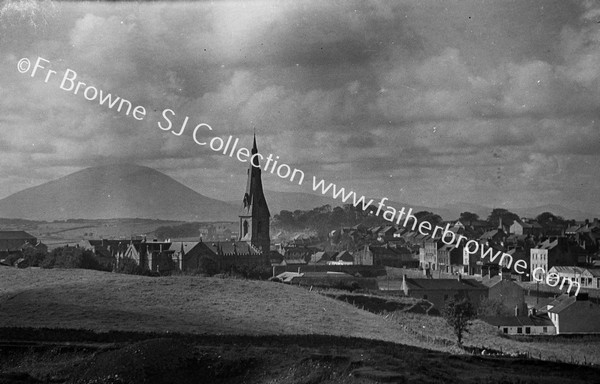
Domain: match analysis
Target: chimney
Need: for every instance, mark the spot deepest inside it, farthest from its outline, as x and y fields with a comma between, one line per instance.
x=516, y=310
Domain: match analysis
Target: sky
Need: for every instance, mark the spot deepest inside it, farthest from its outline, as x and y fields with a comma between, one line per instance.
x=423, y=102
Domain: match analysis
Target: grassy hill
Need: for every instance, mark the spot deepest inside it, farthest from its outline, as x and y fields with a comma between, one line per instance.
x=106, y=301
x=237, y=331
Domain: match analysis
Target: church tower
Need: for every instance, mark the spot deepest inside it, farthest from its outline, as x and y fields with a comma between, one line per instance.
x=255, y=216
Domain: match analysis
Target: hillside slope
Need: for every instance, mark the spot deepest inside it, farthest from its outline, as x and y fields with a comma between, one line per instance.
x=85, y=299
x=117, y=191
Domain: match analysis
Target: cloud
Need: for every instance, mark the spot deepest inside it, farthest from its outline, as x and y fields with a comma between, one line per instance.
x=471, y=95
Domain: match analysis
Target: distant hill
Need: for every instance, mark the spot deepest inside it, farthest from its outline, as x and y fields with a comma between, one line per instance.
x=558, y=210
x=291, y=201
x=115, y=191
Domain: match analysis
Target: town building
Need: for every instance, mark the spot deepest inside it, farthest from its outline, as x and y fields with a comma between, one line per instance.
x=523, y=325
x=521, y=227
x=441, y=291
x=554, y=251
x=586, y=277
x=574, y=314
x=13, y=241
x=504, y=290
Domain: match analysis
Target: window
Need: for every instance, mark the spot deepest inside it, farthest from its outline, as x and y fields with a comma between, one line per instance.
x=519, y=330
x=545, y=329
x=505, y=330
x=424, y=297
x=527, y=330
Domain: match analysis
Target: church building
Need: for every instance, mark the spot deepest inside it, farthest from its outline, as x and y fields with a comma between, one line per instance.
x=255, y=216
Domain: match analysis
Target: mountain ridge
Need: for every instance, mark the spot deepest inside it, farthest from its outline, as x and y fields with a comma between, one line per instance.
x=135, y=191
x=115, y=191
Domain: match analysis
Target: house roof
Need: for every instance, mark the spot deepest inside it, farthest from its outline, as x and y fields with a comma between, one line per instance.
x=547, y=244
x=287, y=277
x=490, y=282
x=293, y=262
x=489, y=234
x=522, y=223
x=15, y=235
x=344, y=256
x=519, y=321
x=563, y=304
x=330, y=274
x=444, y=284
x=231, y=247
x=594, y=271
x=567, y=269
x=446, y=247
x=185, y=246
x=387, y=229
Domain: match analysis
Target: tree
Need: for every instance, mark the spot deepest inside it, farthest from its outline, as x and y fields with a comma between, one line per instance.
x=492, y=307
x=458, y=314
x=468, y=217
x=546, y=218
x=72, y=257
x=431, y=217
x=507, y=217
x=34, y=256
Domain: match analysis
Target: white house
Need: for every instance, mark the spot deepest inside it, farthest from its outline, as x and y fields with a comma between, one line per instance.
x=586, y=277
x=523, y=325
x=574, y=315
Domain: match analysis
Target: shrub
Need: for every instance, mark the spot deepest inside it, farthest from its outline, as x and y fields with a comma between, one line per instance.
x=72, y=257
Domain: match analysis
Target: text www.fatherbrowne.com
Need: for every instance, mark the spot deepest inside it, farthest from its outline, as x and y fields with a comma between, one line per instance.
x=69, y=82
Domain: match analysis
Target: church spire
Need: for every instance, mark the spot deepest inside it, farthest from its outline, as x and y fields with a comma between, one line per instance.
x=255, y=215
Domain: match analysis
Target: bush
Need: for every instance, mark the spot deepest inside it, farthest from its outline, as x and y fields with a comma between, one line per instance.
x=34, y=257
x=72, y=257
x=129, y=266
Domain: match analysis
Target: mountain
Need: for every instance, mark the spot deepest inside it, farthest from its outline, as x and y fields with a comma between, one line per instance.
x=115, y=191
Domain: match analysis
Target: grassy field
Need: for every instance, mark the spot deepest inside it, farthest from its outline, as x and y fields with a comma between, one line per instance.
x=209, y=317
x=106, y=301
x=73, y=232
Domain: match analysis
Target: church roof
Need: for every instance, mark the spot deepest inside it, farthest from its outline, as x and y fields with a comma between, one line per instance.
x=231, y=247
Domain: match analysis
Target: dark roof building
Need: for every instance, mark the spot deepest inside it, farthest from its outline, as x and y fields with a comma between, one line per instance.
x=440, y=291
x=12, y=241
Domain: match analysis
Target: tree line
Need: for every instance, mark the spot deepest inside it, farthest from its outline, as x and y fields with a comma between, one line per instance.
x=326, y=218
x=62, y=257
